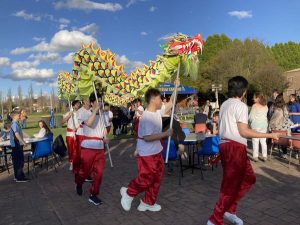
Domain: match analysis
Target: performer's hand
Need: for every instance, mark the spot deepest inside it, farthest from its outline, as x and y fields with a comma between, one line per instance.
x=135, y=153
x=96, y=107
x=177, y=82
x=275, y=136
x=168, y=132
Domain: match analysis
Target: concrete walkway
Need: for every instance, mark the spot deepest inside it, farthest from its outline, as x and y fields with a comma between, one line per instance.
x=50, y=198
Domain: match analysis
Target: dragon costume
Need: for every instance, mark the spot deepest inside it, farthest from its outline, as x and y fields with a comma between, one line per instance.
x=100, y=66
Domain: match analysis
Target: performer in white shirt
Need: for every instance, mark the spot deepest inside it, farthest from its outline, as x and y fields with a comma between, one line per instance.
x=72, y=125
x=238, y=175
x=82, y=114
x=108, y=116
x=139, y=109
x=92, y=152
x=149, y=159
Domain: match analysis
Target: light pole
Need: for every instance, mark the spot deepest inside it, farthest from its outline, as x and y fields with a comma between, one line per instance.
x=216, y=88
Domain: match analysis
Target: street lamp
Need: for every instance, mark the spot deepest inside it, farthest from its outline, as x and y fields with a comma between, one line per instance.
x=216, y=88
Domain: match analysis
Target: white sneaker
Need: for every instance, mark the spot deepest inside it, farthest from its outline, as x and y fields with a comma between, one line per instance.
x=233, y=218
x=209, y=223
x=71, y=167
x=126, y=200
x=144, y=207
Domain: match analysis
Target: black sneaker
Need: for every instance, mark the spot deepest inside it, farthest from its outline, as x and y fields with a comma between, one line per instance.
x=79, y=190
x=95, y=200
x=23, y=180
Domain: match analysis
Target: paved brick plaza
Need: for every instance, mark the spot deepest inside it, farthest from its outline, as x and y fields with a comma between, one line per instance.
x=51, y=199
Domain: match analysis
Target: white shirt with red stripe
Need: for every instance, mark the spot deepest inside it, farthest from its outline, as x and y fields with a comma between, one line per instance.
x=93, y=136
x=139, y=111
x=150, y=123
x=70, y=124
x=82, y=115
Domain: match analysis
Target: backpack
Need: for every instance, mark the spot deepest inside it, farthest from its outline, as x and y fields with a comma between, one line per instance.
x=59, y=146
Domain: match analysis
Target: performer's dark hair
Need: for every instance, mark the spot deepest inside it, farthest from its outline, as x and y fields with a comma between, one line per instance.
x=93, y=97
x=237, y=86
x=106, y=104
x=152, y=92
x=75, y=102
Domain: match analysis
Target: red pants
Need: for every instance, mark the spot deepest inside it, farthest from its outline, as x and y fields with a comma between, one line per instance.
x=136, y=123
x=77, y=154
x=92, y=163
x=238, y=177
x=108, y=129
x=150, y=174
x=71, y=145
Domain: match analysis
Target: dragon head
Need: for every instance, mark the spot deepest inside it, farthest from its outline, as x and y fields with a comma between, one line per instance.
x=181, y=44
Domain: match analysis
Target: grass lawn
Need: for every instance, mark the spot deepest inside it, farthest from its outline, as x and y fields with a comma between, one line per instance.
x=32, y=127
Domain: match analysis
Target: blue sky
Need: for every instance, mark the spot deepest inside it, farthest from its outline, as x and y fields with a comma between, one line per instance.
x=38, y=37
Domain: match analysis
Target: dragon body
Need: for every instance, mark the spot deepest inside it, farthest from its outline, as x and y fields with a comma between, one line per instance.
x=100, y=66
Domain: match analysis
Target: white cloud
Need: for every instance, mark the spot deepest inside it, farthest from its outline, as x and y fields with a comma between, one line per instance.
x=48, y=83
x=69, y=58
x=26, y=70
x=241, y=14
x=27, y=16
x=32, y=74
x=64, y=21
x=87, y=5
x=69, y=40
x=132, y=2
x=143, y=33
x=90, y=29
x=62, y=26
x=38, y=39
x=152, y=8
x=63, y=40
x=50, y=57
x=166, y=36
x=4, y=61
x=24, y=64
x=128, y=63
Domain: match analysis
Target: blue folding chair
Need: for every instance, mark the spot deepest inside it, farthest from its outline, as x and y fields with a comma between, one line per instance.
x=173, y=156
x=42, y=149
x=210, y=147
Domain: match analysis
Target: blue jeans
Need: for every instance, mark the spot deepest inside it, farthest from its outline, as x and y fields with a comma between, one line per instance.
x=18, y=161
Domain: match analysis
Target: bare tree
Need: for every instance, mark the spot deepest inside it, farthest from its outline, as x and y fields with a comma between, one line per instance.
x=30, y=98
x=20, y=96
x=1, y=100
x=9, y=100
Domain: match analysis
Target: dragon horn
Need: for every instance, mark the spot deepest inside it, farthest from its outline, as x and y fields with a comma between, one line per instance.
x=91, y=45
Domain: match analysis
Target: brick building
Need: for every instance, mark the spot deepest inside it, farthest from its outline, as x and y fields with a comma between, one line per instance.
x=293, y=78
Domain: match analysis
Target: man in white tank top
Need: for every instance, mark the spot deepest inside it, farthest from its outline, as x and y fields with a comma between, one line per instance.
x=92, y=152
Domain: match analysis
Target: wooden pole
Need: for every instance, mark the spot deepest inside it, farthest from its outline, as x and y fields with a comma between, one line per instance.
x=103, y=126
x=173, y=111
